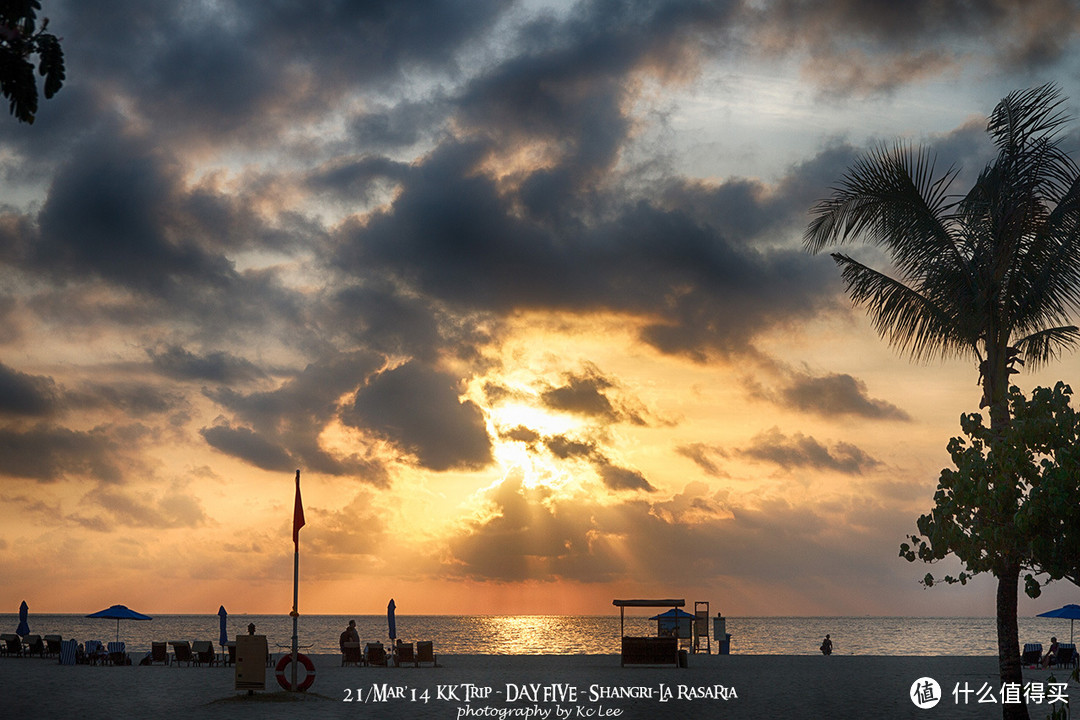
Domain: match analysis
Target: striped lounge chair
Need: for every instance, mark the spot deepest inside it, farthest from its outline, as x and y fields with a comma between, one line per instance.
x=69, y=650
x=1066, y=656
x=1032, y=654
x=118, y=653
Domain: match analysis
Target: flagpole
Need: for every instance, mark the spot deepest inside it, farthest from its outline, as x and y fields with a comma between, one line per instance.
x=296, y=578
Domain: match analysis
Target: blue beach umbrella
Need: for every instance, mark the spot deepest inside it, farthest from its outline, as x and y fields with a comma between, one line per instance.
x=119, y=612
x=24, y=627
x=390, y=619
x=223, y=618
x=1072, y=612
x=673, y=620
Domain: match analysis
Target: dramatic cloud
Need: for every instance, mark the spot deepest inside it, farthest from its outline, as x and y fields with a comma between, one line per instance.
x=836, y=394
x=22, y=394
x=245, y=444
x=216, y=367
x=419, y=410
x=704, y=457
x=516, y=268
x=48, y=453
x=801, y=451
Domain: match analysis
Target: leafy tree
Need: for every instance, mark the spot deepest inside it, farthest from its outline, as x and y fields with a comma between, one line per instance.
x=1011, y=500
x=20, y=39
x=991, y=274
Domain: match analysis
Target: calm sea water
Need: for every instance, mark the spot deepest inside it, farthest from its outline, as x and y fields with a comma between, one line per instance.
x=565, y=635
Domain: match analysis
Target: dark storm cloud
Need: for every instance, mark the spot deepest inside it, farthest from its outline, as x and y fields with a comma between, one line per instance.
x=383, y=319
x=48, y=453
x=582, y=395
x=132, y=398
x=521, y=434
x=356, y=179
x=836, y=394
x=564, y=447
x=874, y=45
x=216, y=367
x=802, y=451
x=293, y=416
x=112, y=212
x=240, y=71
x=245, y=444
x=419, y=409
x=620, y=478
x=22, y=394
x=455, y=236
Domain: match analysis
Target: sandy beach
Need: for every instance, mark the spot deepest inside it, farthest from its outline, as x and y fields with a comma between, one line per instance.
x=526, y=686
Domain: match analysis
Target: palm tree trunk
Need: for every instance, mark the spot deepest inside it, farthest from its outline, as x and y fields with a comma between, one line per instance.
x=1008, y=638
x=995, y=389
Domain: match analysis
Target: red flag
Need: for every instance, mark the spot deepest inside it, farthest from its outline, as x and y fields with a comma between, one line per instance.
x=298, y=514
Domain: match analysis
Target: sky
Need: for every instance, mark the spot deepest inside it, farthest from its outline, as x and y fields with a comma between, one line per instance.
x=519, y=288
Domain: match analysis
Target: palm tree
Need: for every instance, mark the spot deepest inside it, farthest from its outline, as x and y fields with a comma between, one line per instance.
x=990, y=275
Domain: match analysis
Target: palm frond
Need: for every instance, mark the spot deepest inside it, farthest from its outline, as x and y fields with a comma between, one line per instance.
x=1043, y=282
x=892, y=198
x=909, y=320
x=1041, y=347
x=1026, y=114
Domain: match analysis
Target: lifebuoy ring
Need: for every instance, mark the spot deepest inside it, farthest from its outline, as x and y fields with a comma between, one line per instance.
x=303, y=660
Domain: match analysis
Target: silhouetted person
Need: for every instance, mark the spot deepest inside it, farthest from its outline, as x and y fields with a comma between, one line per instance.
x=349, y=635
x=1051, y=656
x=826, y=646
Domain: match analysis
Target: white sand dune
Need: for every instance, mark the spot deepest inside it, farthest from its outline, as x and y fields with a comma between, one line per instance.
x=514, y=686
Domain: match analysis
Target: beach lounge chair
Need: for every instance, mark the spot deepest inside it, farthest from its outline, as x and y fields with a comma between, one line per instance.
x=403, y=655
x=12, y=644
x=351, y=654
x=52, y=645
x=1066, y=656
x=118, y=653
x=159, y=653
x=229, y=656
x=34, y=645
x=203, y=650
x=1032, y=654
x=375, y=654
x=69, y=652
x=425, y=653
x=95, y=652
x=182, y=652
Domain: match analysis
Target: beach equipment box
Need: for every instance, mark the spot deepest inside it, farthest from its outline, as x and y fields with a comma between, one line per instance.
x=251, y=652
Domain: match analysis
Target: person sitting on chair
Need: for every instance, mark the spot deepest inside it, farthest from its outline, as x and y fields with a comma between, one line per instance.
x=1051, y=655
x=349, y=635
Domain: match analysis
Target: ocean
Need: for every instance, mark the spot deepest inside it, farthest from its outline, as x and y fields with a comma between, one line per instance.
x=564, y=635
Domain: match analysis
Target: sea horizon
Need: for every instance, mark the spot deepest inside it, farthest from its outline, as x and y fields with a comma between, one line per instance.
x=510, y=634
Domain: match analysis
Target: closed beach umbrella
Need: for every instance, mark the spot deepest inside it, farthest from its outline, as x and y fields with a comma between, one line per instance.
x=119, y=612
x=1072, y=612
x=390, y=619
x=223, y=621
x=24, y=627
